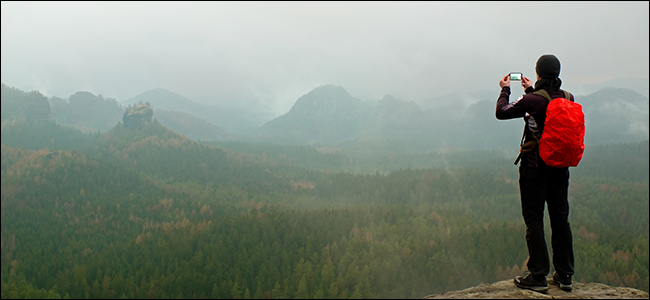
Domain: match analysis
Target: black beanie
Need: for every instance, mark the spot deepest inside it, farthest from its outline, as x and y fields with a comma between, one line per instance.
x=548, y=66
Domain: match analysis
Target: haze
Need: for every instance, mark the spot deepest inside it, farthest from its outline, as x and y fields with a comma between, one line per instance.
x=274, y=52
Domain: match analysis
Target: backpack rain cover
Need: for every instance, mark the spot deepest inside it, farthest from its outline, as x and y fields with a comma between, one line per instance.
x=562, y=142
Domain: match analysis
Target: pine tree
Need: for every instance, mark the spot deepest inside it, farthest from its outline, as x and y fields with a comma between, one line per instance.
x=301, y=292
x=277, y=291
x=215, y=292
x=258, y=292
x=333, y=291
x=319, y=293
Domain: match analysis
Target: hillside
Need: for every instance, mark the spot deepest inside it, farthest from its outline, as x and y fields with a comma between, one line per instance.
x=89, y=113
x=507, y=290
x=190, y=218
x=194, y=127
x=27, y=123
x=86, y=112
x=228, y=116
x=615, y=115
x=20, y=106
x=325, y=115
x=393, y=118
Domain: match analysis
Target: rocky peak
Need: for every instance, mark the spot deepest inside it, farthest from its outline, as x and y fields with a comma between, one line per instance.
x=138, y=115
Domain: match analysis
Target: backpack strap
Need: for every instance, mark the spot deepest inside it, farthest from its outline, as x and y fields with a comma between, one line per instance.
x=527, y=146
x=521, y=145
x=546, y=96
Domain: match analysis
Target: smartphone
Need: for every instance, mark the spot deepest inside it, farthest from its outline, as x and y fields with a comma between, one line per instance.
x=516, y=76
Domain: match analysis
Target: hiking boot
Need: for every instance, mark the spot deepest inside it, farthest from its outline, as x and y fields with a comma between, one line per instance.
x=532, y=283
x=564, y=281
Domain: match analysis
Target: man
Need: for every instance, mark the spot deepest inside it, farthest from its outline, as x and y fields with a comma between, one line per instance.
x=539, y=183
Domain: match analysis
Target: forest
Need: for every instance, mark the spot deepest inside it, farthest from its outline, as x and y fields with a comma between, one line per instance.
x=150, y=213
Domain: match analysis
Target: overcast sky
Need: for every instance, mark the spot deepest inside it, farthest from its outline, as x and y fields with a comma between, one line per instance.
x=279, y=51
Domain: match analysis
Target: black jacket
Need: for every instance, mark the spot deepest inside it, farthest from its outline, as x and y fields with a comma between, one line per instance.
x=532, y=108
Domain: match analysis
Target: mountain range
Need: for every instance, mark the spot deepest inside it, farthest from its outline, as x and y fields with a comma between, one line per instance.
x=236, y=119
x=329, y=116
x=143, y=211
x=638, y=84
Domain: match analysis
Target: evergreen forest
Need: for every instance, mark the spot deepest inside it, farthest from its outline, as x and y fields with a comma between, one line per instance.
x=150, y=213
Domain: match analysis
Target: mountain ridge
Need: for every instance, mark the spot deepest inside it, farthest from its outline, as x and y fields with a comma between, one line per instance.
x=234, y=120
x=326, y=117
x=637, y=84
x=190, y=125
x=329, y=116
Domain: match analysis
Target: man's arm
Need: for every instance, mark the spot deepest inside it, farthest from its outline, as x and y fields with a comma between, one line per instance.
x=506, y=110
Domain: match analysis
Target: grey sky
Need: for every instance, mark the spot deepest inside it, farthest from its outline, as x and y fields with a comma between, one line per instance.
x=278, y=51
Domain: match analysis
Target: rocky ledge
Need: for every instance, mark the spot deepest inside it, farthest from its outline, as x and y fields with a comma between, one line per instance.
x=507, y=290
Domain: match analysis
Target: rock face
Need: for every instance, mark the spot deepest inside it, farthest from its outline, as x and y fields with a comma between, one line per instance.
x=137, y=115
x=507, y=290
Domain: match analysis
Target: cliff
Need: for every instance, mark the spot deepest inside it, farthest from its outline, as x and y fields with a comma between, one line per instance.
x=138, y=115
x=507, y=290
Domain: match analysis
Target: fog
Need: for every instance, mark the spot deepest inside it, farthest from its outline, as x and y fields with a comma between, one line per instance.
x=274, y=52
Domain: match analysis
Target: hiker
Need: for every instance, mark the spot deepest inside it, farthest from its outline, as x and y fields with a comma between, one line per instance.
x=538, y=182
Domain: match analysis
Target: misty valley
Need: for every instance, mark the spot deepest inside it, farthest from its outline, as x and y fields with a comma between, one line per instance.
x=338, y=198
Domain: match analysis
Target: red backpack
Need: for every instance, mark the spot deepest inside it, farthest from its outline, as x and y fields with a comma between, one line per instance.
x=562, y=141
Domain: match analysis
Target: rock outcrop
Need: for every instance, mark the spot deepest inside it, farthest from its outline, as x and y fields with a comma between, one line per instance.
x=137, y=115
x=507, y=290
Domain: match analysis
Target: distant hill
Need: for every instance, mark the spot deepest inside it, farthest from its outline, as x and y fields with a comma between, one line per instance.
x=637, y=84
x=166, y=99
x=39, y=135
x=396, y=118
x=234, y=120
x=328, y=115
x=17, y=105
x=86, y=112
x=615, y=115
x=194, y=127
x=27, y=123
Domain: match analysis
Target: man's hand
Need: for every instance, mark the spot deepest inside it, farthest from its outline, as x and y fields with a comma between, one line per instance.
x=505, y=81
x=525, y=82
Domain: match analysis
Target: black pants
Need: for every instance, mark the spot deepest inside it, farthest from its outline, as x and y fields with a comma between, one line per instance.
x=550, y=186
